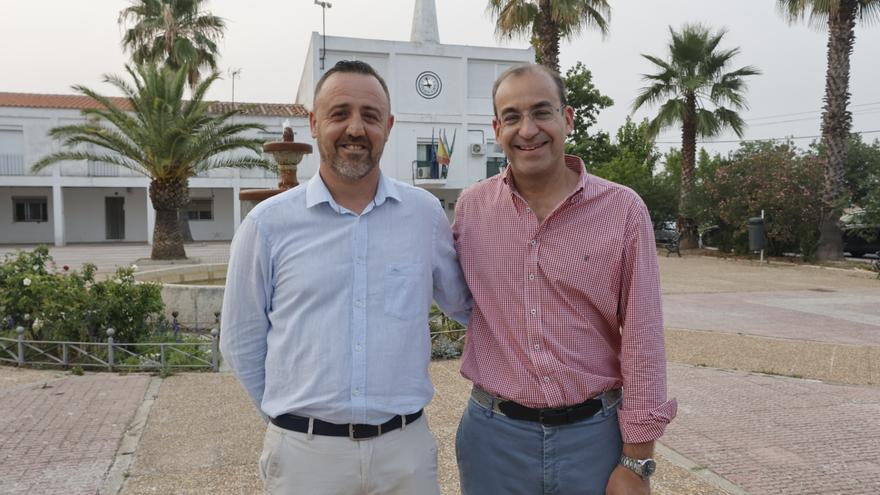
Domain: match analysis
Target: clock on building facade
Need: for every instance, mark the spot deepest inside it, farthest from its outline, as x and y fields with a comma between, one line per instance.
x=428, y=84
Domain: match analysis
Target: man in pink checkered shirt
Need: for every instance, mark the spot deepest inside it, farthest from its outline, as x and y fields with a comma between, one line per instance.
x=565, y=344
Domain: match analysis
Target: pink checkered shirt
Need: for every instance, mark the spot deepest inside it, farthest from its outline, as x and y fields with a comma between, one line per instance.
x=568, y=309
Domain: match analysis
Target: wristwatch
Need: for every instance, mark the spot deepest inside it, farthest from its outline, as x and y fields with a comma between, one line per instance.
x=642, y=467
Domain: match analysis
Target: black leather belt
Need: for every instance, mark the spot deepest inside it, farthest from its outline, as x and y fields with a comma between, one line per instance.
x=547, y=416
x=293, y=422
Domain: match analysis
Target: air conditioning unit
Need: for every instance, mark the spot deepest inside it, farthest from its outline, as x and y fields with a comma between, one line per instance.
x=423, y=173
x=477, y=149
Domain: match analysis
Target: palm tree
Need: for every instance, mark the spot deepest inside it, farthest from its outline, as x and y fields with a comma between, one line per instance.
x=545, y=22
x=158, y=134
x=840, y=16
x=693, y=77
x=177, y=33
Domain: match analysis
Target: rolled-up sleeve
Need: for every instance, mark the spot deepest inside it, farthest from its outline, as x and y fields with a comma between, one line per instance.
x=645, y=411
x=246, y=304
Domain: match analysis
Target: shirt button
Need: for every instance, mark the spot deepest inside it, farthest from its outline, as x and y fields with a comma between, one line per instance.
x=357, y=391
x=359, y=303
x=547, y=379
x=533, y=312
x=537, y=347
x=358, y=347
x=533, y=242
x=528, y=210
x=531, y=276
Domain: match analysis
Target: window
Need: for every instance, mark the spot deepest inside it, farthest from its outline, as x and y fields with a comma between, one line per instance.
x=30, y=209
x=495, y=161
x=425, y=167
x=11, y=152
x=200, y=209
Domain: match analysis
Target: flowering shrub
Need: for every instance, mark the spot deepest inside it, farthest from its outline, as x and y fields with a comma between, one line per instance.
x=71, y=305
x=770, y=177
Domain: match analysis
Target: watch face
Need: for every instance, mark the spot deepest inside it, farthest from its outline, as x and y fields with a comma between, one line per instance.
x=648, y=467
x=428, y=84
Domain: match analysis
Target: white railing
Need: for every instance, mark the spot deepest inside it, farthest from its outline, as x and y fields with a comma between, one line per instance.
x=11, y=164
x=99, y=169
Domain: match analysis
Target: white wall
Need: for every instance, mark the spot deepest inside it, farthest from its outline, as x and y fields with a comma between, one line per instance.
x=24, y=232
x=220, y=228
x=85, y=216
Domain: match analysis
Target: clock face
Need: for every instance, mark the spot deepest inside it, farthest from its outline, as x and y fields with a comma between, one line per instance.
x=428, y=84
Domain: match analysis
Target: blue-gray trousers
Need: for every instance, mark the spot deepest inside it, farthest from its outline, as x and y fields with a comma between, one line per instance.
x=498, y=455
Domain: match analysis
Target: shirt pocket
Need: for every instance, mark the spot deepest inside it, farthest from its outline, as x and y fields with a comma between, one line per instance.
x=402, y=291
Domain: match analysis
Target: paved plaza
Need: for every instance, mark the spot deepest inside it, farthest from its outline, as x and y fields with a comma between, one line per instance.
x=805, y=426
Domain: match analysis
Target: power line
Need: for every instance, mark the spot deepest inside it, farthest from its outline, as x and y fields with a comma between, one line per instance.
x=788, y=138
x=866, y=111
x=812, y=111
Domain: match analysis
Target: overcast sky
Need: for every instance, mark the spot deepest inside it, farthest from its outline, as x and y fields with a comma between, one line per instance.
x=48, y=45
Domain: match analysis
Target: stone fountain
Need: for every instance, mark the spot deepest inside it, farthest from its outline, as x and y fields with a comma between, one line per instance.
x=287, y=154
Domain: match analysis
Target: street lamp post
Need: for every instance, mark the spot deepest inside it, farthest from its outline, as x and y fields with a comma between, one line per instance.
x=324, y=6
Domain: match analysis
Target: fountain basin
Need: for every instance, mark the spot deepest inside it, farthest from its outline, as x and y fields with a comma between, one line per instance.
x=194, y=291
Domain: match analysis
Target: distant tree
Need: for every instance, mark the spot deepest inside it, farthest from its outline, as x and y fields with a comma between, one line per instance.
x=162, y=136
x=177, y=33
x=546, y=22
x=587, y=102
x=633, y=165
x=686, y=85
x=840, y=17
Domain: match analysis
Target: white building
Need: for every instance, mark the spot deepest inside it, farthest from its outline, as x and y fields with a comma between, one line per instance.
x=435, y=89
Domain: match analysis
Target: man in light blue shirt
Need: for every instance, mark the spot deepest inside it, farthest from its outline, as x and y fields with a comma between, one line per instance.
x=325, y=316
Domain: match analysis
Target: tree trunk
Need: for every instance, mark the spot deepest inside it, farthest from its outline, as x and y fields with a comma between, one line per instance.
x=168, y=196
x=185, y=231
x=836, y=122
x=686, y=225
x=547, y=50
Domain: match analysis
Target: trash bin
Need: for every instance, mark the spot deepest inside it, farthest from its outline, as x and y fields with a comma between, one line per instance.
x=756, y=234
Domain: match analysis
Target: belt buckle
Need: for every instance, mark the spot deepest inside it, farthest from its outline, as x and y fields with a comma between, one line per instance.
x=357, y=437
x=554, y=417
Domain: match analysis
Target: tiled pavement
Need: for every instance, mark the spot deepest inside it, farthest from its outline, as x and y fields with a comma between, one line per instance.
x=773, y=435
x=764, y=434
x=61, y=435
x=842, y=316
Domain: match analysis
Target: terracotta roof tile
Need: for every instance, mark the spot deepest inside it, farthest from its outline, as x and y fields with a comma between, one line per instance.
x=79, y=102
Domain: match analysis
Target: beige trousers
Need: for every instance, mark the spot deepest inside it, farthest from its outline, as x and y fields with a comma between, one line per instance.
x=400, y=462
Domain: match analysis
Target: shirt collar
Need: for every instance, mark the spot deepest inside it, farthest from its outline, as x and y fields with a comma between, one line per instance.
x=317, y=192
x=571, y=161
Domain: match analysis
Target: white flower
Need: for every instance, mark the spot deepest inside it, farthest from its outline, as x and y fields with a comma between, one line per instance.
x=27, y=317
x=36, y=267
x=38, y=324
x=26, y=282
x=117, y=280
x=134, y=267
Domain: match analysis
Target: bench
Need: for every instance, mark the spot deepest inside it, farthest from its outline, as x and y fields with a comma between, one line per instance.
x=671, y=245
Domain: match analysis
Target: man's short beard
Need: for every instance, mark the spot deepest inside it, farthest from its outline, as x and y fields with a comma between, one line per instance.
x=353, y=171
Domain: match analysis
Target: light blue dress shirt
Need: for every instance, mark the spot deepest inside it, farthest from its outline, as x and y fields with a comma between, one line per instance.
x=325, y=312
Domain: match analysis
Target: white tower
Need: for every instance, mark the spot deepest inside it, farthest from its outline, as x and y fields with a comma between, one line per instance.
x=424, y=25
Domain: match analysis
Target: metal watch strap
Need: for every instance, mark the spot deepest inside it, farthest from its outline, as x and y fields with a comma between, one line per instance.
x=642, y=467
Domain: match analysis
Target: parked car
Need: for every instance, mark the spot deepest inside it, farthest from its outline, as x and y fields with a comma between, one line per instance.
x=665, y=232
x=859, y=237
x=861, y=240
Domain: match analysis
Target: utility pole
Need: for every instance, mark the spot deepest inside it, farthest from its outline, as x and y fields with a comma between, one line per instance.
x=234, y=72
x=324, y=6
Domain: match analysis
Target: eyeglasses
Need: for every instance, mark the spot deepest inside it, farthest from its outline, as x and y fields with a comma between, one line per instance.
x=538, y=115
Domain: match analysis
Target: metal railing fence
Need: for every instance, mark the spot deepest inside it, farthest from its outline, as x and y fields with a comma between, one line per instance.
x=111, y=355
